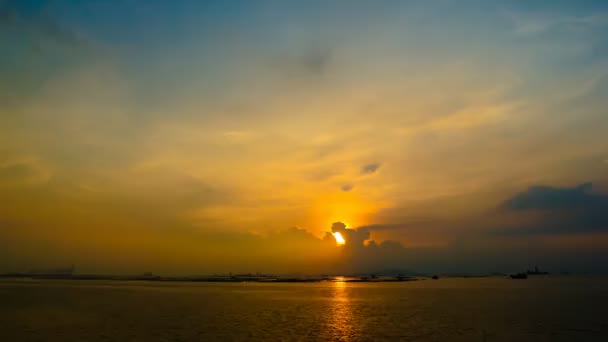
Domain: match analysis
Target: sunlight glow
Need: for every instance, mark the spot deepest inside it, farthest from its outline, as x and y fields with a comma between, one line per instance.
x=339, y=239
x=346, y=207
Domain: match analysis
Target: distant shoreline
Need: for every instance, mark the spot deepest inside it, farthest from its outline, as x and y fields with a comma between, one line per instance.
x=216, y=279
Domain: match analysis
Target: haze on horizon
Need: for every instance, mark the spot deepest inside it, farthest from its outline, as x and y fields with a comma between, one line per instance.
x=185, y=137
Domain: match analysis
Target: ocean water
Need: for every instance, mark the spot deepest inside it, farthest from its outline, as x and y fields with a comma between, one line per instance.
x=449, y=309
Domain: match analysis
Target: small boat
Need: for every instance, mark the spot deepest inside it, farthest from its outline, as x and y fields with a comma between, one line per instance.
x=435, y=277
x=519, y=276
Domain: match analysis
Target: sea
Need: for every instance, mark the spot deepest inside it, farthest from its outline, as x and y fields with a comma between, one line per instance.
x=540, y=308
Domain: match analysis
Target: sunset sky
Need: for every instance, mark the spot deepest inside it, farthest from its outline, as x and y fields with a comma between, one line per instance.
x=191, y=137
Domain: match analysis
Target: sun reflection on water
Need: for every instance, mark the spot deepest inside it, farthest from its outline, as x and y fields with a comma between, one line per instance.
x=341, y=312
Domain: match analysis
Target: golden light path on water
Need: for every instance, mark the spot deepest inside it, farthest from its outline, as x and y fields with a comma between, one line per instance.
x=341, y=315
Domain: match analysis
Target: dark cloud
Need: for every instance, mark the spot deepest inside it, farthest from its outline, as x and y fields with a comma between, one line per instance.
x=347, y=187
x=559, y=210
x=316, y=60
x=353, y=237
x=285, y=251
x=370, y=168
x=360, y=254
x=397, y=226
x=338, y=227
x=551, y=198
x=310, y=63
x=16, y=171
x=19, y=173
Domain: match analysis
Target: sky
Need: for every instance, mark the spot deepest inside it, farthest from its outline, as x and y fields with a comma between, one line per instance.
x=196, y=137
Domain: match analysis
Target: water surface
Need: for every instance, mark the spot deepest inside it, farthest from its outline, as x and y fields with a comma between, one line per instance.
x=449, y=309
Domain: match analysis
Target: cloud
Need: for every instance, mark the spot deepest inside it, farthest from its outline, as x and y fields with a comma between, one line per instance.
x=22, y=173
x=268, y=98
x=370, y=168
x=16, y=171
x=316, y=60
x=529, y=25
x=311, y=61
x=558, y=210
x=361, y=254
x=347, y=187
x=338, y=227
x=284, y=251
x=387, y=226
x=353, y=237
x=550, y=198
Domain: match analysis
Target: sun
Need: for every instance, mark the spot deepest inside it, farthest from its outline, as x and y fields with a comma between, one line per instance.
x=339, y=239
